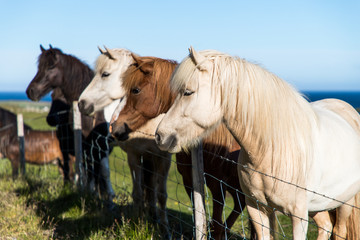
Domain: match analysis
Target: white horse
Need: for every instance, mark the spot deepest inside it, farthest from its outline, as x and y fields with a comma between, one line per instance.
x=149, y=166
x=296, y=157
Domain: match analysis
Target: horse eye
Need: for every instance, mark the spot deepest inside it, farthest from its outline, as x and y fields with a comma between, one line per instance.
x=135, y=91
x=105, y=74
x=188, y=92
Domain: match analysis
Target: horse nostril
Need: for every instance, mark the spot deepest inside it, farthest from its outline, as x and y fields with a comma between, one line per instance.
x=81, y=105
x=30, y=93
x=85, y=110
x=157, y=138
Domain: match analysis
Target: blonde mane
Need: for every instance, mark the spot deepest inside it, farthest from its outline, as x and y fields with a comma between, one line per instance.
x=270, y=114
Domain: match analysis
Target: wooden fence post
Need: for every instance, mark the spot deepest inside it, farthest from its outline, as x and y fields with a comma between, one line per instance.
x=79, y=169
x=198, y=194
x=20, y=133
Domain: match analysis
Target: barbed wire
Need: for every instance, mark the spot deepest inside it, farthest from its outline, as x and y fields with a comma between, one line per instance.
x=283, y=181
x=221, y=182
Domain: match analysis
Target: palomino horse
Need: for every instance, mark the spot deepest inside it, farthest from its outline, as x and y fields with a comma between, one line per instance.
x=296, y=157
x=147, y=87
x=41, y=147
x=71, y=76
x=149, y=166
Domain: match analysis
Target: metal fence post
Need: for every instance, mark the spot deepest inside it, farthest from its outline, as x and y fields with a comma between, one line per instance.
x=198, y=185
x=20, y=133
x=79, y=169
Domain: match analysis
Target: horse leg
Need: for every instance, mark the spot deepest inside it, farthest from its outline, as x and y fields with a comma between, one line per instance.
x=323, y=221
x=300, y=221
x=71, y=167
x=102, y=150
x=134, y=161
x=150, y=186
x=89, y=166
x=105, y=176
x=65, y=166
x=162, y=174
x=218, y=206
x=260, y=221
x=342, y=215
x=239, y=205
x=14, y=156
x=15, y=163
x=353, y=221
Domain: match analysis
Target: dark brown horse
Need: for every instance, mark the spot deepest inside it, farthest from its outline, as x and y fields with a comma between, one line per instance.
x=148, y=94
x=58, y=117
x=41, y=147
x=70, y=76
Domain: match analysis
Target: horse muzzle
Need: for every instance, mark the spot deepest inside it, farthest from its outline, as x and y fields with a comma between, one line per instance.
x=31, y=93
x=120, y=133
x=85, y=107
x=166, y=143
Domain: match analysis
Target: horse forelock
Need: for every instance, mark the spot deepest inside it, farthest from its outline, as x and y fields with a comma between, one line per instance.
x=182, y=75
x=159, y=75
x=104, y=60
x=163, y=70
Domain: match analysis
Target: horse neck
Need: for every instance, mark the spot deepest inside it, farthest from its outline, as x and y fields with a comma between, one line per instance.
x=221, y=139
x=272, y=122
x=76, y=77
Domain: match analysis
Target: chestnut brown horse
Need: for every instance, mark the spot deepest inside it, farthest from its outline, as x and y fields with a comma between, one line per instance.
x=146, y=84
x=57, y=70
x=41, y=147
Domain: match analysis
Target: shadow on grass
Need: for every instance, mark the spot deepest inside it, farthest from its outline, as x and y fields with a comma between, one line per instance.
x=72, y=215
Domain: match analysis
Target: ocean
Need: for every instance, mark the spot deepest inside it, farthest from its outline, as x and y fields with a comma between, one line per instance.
x=20, y=96
x=352, y=98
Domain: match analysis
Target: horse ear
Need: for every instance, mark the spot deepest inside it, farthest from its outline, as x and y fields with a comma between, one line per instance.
x=111, y=56
x=136, y=58
x=144, y=66
x=50, y=46
x=42, y=48
x=101, y=51
x=200, y=61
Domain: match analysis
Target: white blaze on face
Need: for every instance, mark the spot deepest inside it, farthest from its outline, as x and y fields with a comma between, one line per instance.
x=110, y=109
x=118, y=109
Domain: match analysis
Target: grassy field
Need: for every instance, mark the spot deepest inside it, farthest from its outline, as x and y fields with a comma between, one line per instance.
x=39, y=206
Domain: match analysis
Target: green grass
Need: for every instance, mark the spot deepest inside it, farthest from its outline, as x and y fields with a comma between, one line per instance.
x=39, y=206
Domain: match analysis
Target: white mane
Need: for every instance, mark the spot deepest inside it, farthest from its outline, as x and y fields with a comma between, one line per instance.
x=268, y=110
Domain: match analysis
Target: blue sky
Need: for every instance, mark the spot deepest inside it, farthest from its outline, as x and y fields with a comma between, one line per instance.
x=314, y=45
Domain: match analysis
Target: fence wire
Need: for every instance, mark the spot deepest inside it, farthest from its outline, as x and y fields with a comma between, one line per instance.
x=179, y=205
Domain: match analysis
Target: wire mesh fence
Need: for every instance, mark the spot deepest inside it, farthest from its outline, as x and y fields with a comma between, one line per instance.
x=146, y=174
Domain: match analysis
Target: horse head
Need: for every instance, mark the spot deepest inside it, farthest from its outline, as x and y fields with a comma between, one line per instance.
x=48, y=76
x=106, y=85
x=147, y=94
x=197, y=105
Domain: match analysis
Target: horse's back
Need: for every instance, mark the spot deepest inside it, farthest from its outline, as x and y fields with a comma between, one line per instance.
x=344, y=110
x=42, y=147
x=335, y=171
